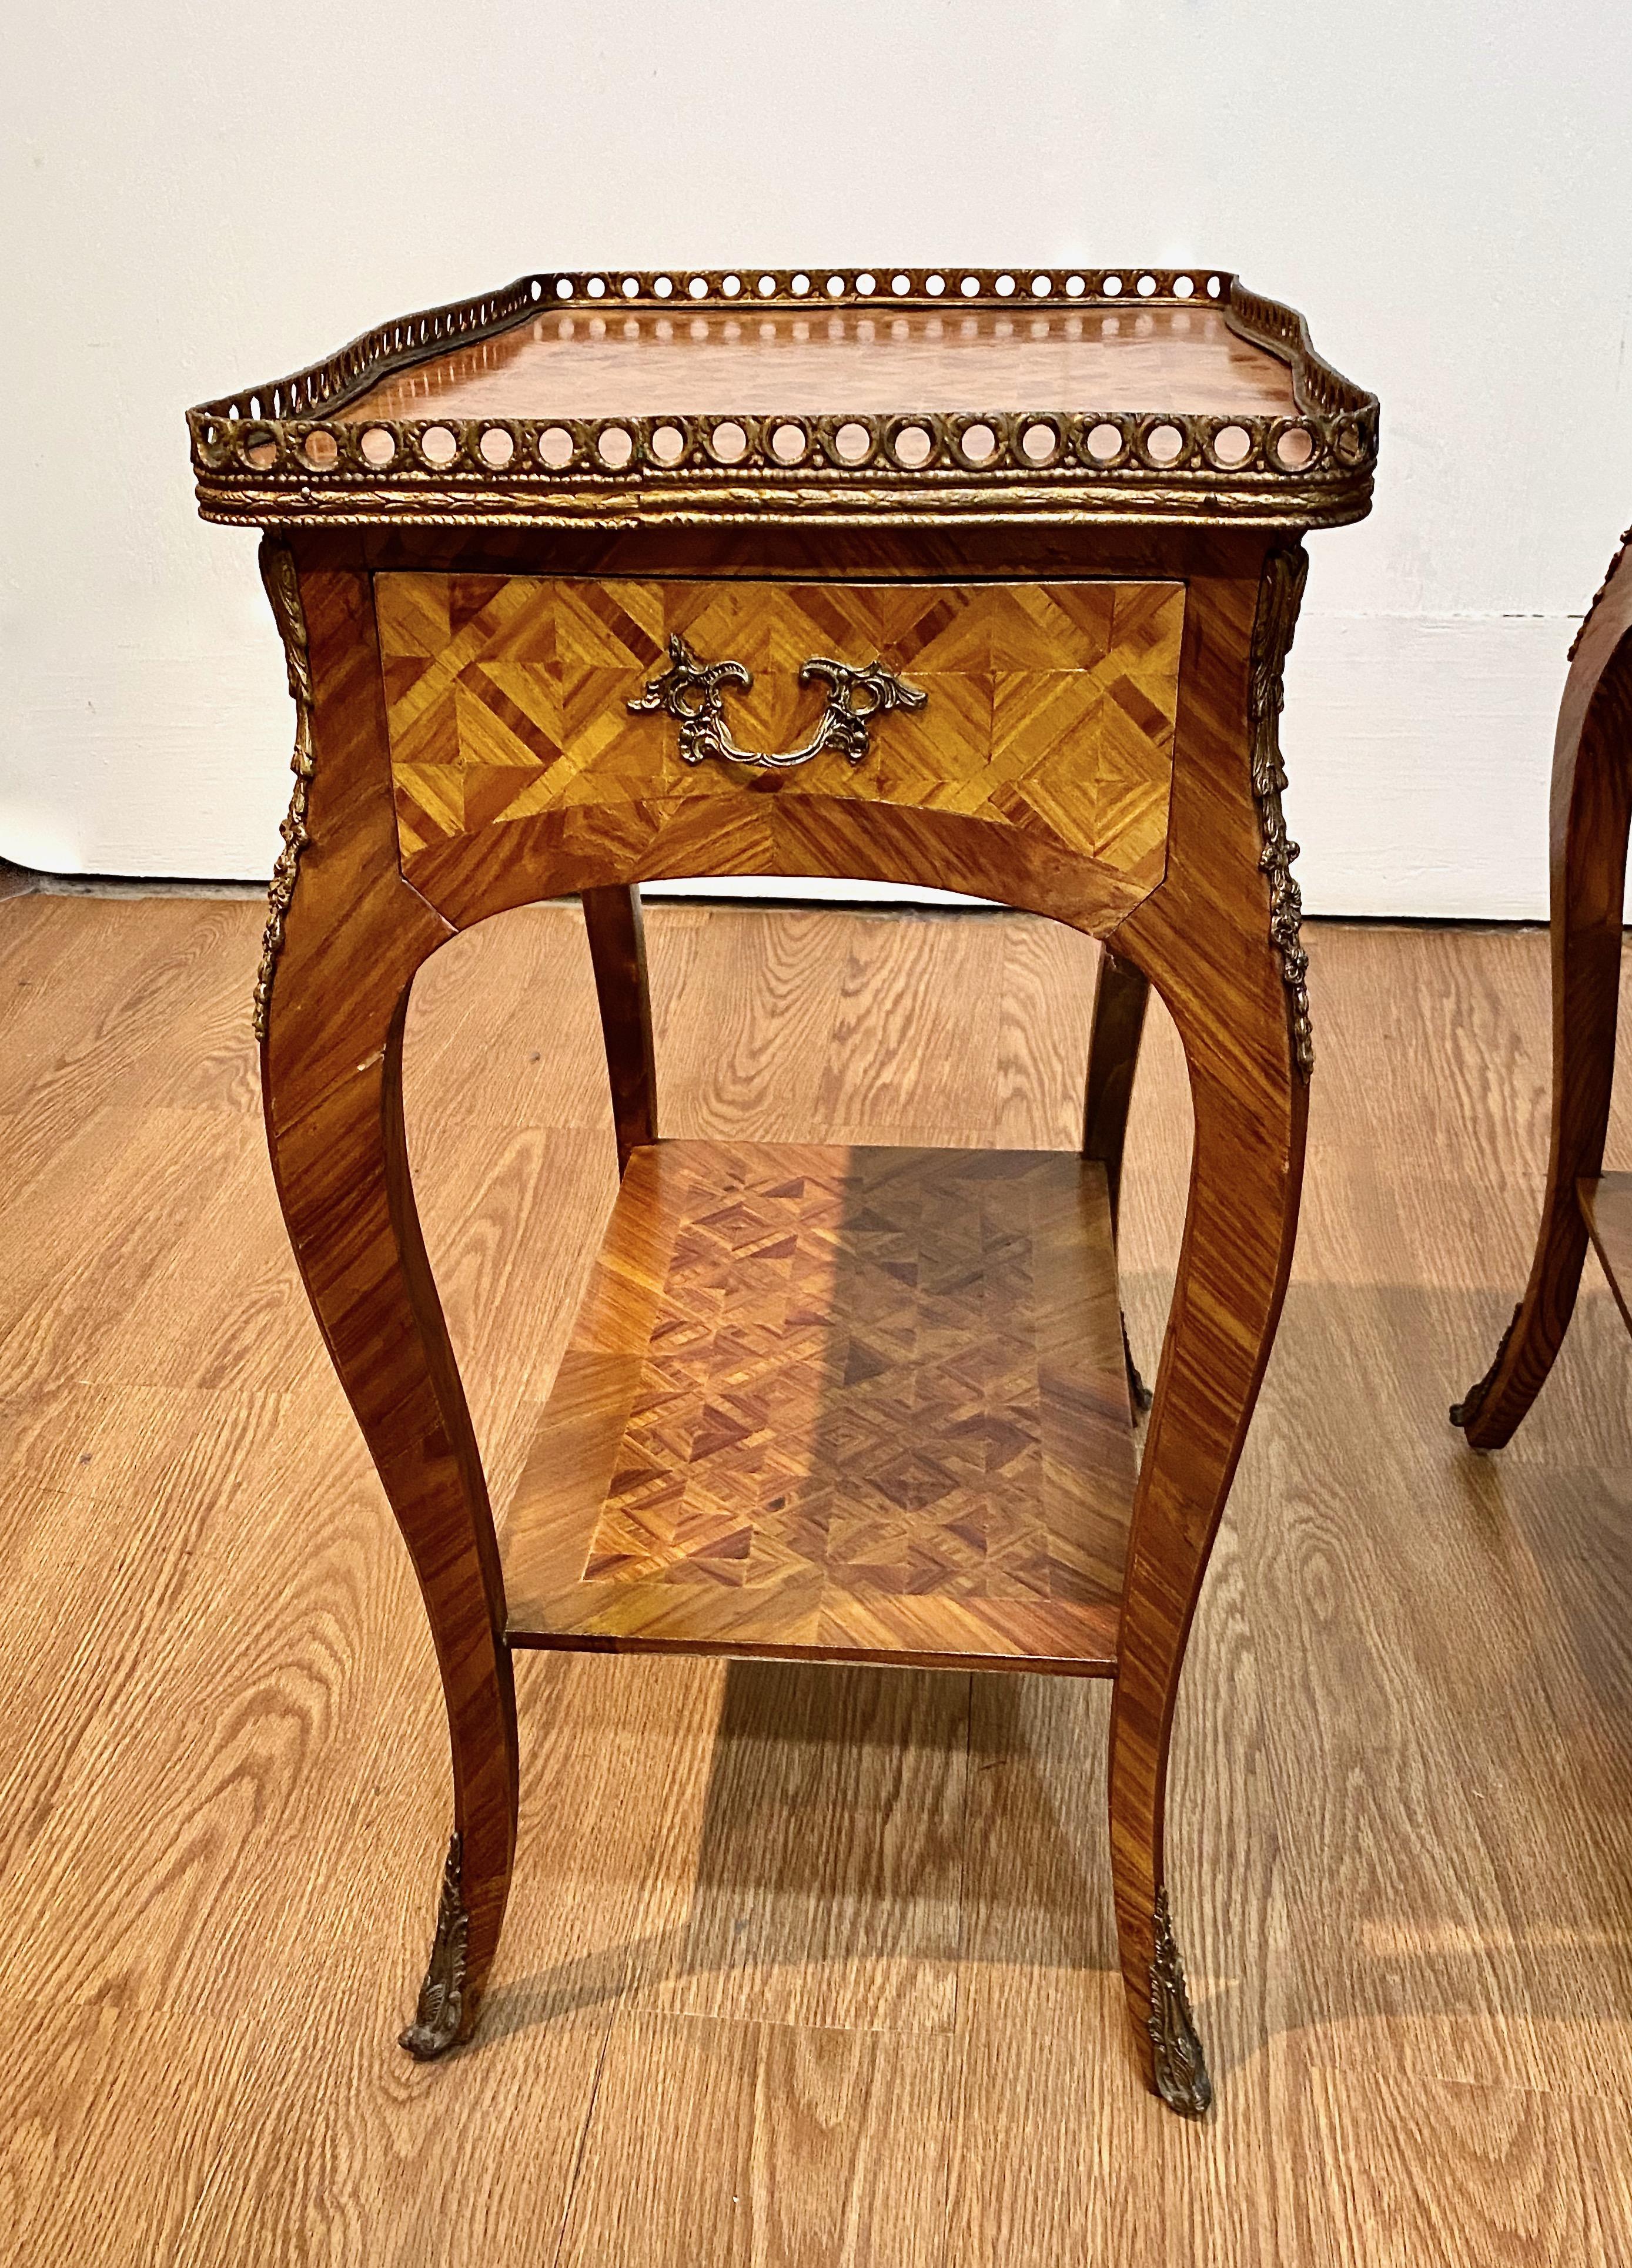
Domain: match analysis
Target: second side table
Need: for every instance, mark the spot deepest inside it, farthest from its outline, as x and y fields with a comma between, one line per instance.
x=1591, y=800
x=974, y=578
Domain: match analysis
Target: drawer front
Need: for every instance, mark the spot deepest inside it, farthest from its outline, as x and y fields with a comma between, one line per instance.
x=1048, y=708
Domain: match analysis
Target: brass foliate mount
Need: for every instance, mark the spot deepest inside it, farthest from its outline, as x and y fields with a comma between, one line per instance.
x=1181, y=2072
x=1280, y=595
x=283, y=588
x=692, y=691
x=441, y=2005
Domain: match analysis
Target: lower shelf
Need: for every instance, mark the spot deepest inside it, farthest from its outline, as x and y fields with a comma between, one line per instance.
x=854, y=1404
x=1606, y=1205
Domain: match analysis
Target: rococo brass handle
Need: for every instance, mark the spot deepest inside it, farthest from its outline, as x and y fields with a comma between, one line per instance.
x=692, y=690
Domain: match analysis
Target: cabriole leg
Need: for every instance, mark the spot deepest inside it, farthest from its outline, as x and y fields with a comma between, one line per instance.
x=341, y=953
x=1246, y=1174
x=1219, y=943
x=1591, y=785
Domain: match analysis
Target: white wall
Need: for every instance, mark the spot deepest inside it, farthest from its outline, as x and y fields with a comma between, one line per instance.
x=195, y=197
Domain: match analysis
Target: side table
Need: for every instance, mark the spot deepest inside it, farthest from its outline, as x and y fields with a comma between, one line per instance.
x=611, y=577
x=1592, y=812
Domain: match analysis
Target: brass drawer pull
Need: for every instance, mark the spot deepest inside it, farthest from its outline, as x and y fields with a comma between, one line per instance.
x=691, y=690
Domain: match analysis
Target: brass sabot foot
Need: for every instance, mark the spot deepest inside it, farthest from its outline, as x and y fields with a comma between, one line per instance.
x=1181, y=2072
x=441, y=2005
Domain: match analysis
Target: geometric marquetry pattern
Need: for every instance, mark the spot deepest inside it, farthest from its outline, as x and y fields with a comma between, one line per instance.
x=871, y=1396
x=1051, y=706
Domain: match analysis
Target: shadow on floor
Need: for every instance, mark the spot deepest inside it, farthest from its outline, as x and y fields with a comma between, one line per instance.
x=1427, y=1658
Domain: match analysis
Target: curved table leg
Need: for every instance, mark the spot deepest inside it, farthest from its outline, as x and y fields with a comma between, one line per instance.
x=1121, y=994
x=1591, y=786
x=617, y=950
x=333, y=1001
x=1246, y=1175
x=1219, y=941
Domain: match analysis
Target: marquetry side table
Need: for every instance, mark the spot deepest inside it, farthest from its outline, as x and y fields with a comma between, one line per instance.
x=606, y=579
x=1591, y=815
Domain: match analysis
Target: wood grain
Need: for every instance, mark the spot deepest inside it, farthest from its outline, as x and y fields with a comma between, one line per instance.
x=519, y=714
x=1121, y=994
x=862, y=1404
x=1497, y=2196
x=790, y=2145
x=751, y=1929
x=617, y=952
x=1591, y=808
x=499, y=708
x=1203, y=941
x=1049, y=711
x=331, y=1080
x=1606, y=1208
x=588, y=364
x=1402, y=1753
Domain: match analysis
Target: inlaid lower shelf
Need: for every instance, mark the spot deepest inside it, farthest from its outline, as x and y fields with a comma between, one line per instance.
x=854, y=1404
x=1606, y=1207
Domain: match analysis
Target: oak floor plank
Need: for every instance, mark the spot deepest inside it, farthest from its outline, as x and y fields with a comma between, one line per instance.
x=1463, y=1030
x=801, y=1966
x=514, y=996
x=1039, y=1966
x=119, y=1201
x=824, y=1889
x=777, y=1014
x=1044, y=1014
x=512, y=1219
x=1437, y=1891
x=508, y=996
x=780, y=2147
x=1517, y=2176
x=137, y=999
x=254, y=1332
x=916, y=1031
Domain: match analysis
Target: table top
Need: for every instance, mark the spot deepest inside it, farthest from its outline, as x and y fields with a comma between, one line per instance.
x=1125, y=394
x=834, y=361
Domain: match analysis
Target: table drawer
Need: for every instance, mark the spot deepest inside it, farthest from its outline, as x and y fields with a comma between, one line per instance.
x=1045, y=707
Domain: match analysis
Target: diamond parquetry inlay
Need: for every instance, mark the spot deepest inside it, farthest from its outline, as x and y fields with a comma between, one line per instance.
x=1051, y=706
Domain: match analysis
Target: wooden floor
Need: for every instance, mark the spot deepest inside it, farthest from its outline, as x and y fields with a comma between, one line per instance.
x=803, y=1966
